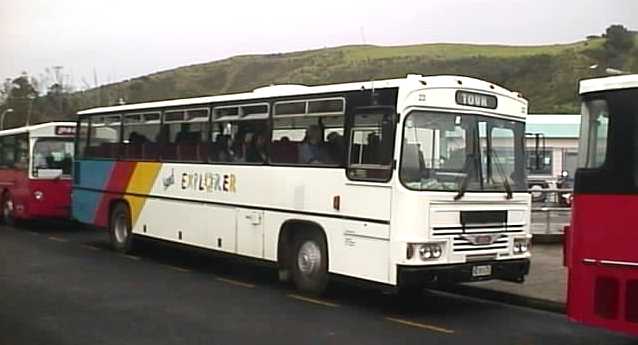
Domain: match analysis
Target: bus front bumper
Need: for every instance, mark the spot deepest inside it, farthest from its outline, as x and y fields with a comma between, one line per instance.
x=510, y=270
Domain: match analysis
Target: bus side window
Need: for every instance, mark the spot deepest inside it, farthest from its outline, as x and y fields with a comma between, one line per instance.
x=82, y=137
x=8, y=151
x=102, y=139
x=240, y=134
x=309, y=132
x=22, y=152
x=142, y=136
x=183, y=135
x=239, y=142
x=371, y=146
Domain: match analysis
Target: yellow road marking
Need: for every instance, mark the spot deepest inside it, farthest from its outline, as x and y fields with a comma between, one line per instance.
x=176, y=268
x=236, y=282
x=421, y=325
x=58, y=239
x=132, y=257
x=312, y=300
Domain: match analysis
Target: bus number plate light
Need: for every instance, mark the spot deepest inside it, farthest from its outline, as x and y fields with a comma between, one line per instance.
x=482, y=271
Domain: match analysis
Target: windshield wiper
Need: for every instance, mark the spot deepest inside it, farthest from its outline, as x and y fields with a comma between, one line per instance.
x=501, y=172
x=464, y=182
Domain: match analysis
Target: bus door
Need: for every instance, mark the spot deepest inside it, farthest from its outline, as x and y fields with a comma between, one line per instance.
x=250, y=232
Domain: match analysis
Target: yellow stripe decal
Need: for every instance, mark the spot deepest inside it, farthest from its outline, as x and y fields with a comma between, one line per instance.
x=141, y=182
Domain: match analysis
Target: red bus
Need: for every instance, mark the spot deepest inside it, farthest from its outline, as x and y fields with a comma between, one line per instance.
x=35, y=171
x=601, y=248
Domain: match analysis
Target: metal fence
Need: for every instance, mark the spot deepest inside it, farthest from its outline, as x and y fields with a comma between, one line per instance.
x=552, y=214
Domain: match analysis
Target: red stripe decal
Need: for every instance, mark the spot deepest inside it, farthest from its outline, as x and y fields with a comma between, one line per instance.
x=117, y=182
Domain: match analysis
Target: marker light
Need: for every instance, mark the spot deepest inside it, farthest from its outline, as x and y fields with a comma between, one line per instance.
x=38, y=195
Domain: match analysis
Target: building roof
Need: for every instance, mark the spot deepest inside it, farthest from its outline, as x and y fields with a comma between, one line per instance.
x=558, y=126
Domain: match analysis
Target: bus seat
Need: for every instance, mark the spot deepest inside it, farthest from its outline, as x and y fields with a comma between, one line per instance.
x=202, y=151
x=133, y=151
x=109, y=150
x=169, y=151
x=151, y=150
x=285, y=152
x=187, y=152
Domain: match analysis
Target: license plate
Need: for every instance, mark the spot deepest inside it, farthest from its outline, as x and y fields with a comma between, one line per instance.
x=481, y=271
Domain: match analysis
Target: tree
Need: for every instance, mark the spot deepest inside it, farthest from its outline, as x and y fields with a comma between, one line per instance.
x=619, y=42
x=619, y=38
x=20, y=94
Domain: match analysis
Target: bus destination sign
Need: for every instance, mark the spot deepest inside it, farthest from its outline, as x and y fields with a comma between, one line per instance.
x=473, y=99
x=64, y=130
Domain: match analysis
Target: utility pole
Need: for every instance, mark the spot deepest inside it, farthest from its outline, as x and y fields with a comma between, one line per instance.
x=30, y=108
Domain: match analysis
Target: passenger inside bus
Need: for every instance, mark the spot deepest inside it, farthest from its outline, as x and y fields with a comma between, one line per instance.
x=312, y=150
x=136, y=138
x=186, y=136
x=222, y=149
x=336, y=147
x=256, y=152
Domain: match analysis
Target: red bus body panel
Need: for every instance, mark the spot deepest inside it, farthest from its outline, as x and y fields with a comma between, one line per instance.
x=602, y=258
x=56, y=200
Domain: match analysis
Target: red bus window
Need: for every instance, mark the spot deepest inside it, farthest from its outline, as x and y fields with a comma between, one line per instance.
x=606, y=297
x=631, y=305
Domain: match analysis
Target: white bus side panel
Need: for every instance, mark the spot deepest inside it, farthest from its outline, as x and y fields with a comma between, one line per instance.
x=241, y=209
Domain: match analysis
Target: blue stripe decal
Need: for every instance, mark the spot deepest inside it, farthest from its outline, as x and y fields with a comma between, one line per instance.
x=95, y=175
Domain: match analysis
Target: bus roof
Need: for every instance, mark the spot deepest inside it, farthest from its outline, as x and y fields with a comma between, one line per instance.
x=609, y=83
x=441, y=81
x=42, y=129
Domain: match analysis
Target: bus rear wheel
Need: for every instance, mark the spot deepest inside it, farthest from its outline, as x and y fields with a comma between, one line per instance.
x=7, y=210
x=120, y=230
x=310, y=263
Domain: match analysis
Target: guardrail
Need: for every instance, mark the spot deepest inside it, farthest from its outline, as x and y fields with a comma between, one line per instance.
x=556, y=201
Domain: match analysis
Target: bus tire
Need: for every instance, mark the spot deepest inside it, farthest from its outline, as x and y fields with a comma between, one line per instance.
x=309, y=262
x=120, y=229
x=8, y=217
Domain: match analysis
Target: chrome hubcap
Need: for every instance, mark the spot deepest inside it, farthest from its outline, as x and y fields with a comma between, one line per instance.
x=309, y=258
x=120, y=228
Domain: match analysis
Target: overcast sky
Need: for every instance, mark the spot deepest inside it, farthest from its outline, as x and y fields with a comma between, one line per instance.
x=120, y=39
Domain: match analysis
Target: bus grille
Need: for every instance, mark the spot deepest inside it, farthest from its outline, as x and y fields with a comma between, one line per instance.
x=485, y=229
x=461, y=244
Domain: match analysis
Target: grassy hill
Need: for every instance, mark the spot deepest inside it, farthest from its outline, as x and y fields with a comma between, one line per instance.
x=547, y=75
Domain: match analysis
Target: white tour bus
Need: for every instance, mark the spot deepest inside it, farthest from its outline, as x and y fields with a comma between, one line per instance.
x=404, y=182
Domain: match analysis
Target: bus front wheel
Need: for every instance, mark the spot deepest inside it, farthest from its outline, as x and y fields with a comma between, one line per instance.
x=120, y=229
x=310, y=263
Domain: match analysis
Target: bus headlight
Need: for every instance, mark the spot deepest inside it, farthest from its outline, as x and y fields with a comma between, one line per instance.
x=425, y=252
x=38, y=195
x=430, y=251
x=521, y=245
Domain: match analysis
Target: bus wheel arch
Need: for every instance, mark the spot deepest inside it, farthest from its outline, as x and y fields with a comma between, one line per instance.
x=120, y=226
x=300, y=240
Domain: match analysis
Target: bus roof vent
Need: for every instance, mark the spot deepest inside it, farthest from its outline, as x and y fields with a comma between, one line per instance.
x=284, y=88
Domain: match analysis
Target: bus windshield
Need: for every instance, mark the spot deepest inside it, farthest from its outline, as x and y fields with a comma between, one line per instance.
x=457, y=152
x=52, y=154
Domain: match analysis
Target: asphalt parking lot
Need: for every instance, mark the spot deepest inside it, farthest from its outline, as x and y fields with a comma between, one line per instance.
x=63, y=285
